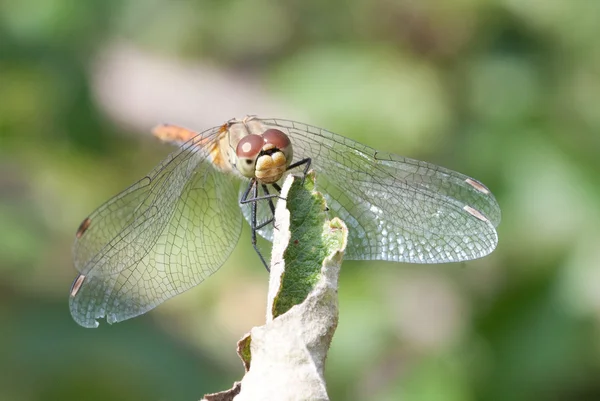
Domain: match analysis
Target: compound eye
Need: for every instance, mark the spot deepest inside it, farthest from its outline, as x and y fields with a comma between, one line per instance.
x=276, y=138
x=247, y=151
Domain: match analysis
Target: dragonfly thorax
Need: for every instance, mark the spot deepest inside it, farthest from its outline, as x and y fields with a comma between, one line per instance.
x=264, y=157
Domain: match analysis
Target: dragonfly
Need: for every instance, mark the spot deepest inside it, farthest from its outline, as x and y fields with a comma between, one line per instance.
x=177, y=225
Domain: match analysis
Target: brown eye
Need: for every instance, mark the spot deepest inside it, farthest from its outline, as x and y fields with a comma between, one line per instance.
x=276, y=138
x=247, y=152
x=249, y=147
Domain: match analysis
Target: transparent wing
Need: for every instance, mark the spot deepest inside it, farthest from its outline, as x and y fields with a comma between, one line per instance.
x=396, y=208
x=158, y=238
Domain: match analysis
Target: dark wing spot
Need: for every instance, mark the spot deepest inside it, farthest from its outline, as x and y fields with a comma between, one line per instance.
x=85, y=224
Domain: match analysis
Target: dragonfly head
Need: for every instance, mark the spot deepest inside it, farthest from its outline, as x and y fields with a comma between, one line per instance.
x=264, y=157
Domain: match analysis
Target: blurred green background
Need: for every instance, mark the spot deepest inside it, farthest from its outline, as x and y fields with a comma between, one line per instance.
x=506, y=91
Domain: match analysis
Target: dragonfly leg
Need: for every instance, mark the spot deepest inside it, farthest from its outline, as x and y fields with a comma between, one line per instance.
x=247, y=191
x=265, y=223
x=266, y=191
x=268, y=196
x=253, y=186
x=305, y=162
x=271, y=206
